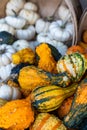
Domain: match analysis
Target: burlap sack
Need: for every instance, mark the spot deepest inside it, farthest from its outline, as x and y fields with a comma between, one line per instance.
x=50, y=8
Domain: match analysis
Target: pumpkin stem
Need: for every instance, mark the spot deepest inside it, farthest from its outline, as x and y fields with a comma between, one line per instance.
x=14, y=12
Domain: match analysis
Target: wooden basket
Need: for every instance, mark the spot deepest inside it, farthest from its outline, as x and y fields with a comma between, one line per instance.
x=48, y=7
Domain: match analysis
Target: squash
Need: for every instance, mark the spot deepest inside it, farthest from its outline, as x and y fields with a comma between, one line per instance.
x=50, y=97
x=48, y=122
x=6, y=52
x=42, y=25
x=9, y=93
x=61, y=31
x=23, y=56
x=79, y=106
x=30, y=6
x=14, y=6
x=7, y=38
x=6, y=27
x=74, y=64
x=26, y=34
x=29, y=15
x=64, y=13
x=84, y=36
x=15, y=22
x=47, y=60
x=83, y=125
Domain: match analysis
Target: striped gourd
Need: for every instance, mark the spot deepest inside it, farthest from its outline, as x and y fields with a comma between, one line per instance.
x=49, y=98
x=73, y=64
x=46, y=121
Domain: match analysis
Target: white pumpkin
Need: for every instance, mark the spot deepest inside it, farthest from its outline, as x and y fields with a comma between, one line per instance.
x=6, y=52
x=33, y=45
x=42, y=26
x=30, y=6
x=9, y=93
x=64, y=13
x=43, y=37
x=5, y=71
x=6, y=27
x=26, y=34
x=20, y=44
x=61, y=31
x=2, y=20
x=15, y=22
x=29, y=15
x=13, y=6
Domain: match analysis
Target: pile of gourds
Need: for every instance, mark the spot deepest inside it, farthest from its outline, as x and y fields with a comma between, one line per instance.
x=43, y=81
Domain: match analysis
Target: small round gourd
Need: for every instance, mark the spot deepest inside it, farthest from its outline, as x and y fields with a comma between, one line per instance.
x=14, y=6
x=6, y=27
x=26, y=34
x=9, y=93
x=6, y=52
x=61, y=31
x=29, y=15
x=30, y=6
x=42, y=26
x=15, y=22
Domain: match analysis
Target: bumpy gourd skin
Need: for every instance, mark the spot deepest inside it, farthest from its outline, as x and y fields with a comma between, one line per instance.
x=79, y=107
x=16, y=115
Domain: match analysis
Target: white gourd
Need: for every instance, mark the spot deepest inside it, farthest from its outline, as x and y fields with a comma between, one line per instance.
x=42, y=26
x=5, y=71
x=43, y=37
x=15, y=22
x=9, y=93
x=20, y=44
x=29, y=15
x=26, y=34
x=33, y=45
x=6, y=52
x=64, y=13
x=30, y=6
x=61, y=31
x=14, y=6
x=6, y=27
x=2, y=20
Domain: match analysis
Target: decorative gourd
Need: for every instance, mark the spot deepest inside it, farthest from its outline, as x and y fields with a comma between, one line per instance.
x=14, y=6
x=84, y=36
x=74, y=64
x=15, y=22
x=79, y=106
x=2, y=20
x=7, y=38
x=20, y=44
x=33, y=45
x=5, y=71
x=25, y=55
x=30, y=6
x=83, y=125
x=6, y=52
x=29, y=15
x=64, y=13
x=6, y=27
x=42, y=26
x=9, y=93
x=26, y=34
x=43, y=37
x=48, y=122
x=47, y=55
x=50, y=97
x=2, y=102
x=61, y=30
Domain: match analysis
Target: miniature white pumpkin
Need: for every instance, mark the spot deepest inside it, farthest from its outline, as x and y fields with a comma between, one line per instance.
x=5, y=71
x=26, y=34
x=2, y=20
x=20, y=44
x=9, y=93
x=13, y=6
x=43, y=37
x=29, y=15
x=33, y=45
x=64, y=13
x=6, y=52
x=61, y=31
x=42, y=26
x=6, y=27
x=30, y=6
x=16, y=22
